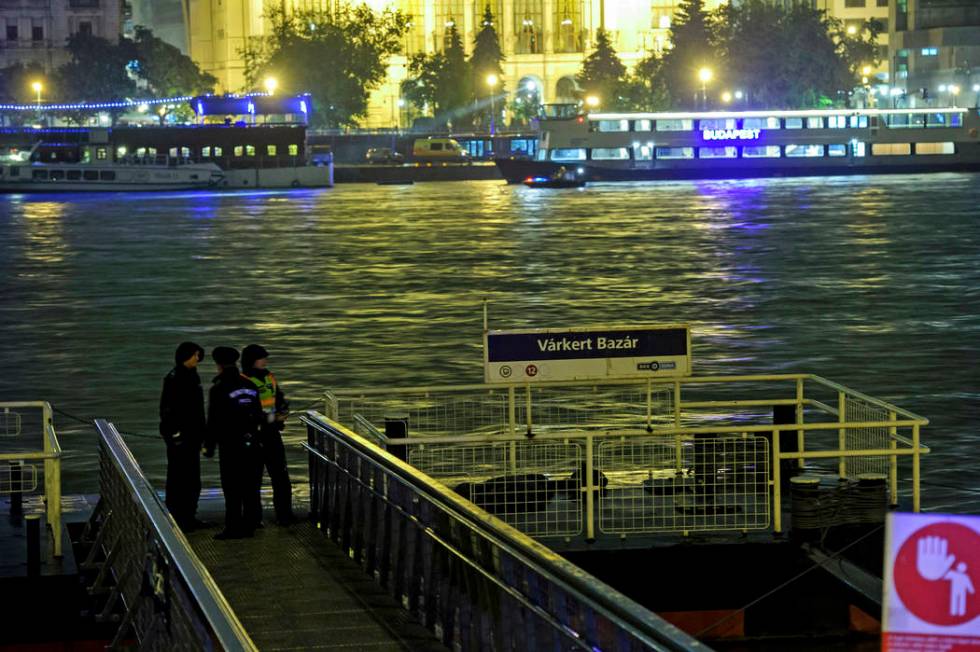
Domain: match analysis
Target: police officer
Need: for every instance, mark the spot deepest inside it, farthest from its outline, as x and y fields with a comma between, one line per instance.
x=234, y=418
x=276, y=408
x=182, y=427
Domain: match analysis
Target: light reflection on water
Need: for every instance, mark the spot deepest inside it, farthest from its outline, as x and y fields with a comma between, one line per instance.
x=870, y=281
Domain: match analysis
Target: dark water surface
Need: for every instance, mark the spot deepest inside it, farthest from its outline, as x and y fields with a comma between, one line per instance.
x=870, y=281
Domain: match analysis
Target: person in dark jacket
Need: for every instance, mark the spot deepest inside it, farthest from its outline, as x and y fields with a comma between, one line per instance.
x=182, y=427
x=275, y=408
x=234, y=418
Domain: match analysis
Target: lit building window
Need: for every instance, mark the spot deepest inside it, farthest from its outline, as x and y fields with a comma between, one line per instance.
x=270, y=150
x=528, y=21
x=294, y=150
x=568, y=26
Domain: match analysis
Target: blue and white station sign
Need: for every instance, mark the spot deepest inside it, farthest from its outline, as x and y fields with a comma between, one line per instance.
x=604, y=352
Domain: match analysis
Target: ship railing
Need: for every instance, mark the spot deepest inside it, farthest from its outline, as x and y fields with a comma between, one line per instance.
x=470, y=578
x=144, y=561
x=675, y=455
x=20, y=424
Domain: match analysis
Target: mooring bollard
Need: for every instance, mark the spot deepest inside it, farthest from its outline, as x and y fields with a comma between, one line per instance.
x=33, y=523
x=396, y=427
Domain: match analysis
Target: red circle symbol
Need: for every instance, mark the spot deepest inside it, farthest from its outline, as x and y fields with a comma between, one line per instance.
x=934, y=574
x=531, y=370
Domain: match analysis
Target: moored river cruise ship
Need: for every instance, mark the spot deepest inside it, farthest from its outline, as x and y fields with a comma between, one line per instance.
x=740, y=144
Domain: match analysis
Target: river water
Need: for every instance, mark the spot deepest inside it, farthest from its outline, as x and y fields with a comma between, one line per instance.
x=870, y=281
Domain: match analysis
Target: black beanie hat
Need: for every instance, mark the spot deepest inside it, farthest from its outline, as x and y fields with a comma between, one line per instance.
x=186, y=350
x=224, y=355
x=251, y=353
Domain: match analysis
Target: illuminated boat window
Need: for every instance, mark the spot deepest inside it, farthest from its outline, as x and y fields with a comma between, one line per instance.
x=613, y=125
x=837, y=150
x=294, y=150
x=205, y=152
x=250, y=150
x=674, y=152
x=760, y=123
x=891, y=149
x=675, y=125
x=218, y=151
x=804, y=151
x=859, y=121
x=610, y=154
x=794, y=123
x=837, y=121
x=270, y=150
x=542, y=155
x=643, y=152
x=897, y=120
x=857, y=148
x=718, y=152
x=956, y=120
x=760, y=151
x=643, y=125
x=718, y=123
x=814, y=122
x=568, y=154
x=935, y=148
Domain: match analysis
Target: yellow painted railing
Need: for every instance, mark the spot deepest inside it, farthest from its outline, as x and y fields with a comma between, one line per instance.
x=861, y=433
x=50, y=454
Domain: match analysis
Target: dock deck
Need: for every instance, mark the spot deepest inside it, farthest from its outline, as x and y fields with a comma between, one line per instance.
x=293, y=589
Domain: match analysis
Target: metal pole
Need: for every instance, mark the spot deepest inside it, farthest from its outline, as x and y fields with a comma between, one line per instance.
x=800, y=435
x=842, y=433
x=893, y=461
x=589, y=496
x=916, y=498
x=777, y=507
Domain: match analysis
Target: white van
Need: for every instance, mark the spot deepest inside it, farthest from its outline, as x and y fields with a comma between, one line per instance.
x=439, y=149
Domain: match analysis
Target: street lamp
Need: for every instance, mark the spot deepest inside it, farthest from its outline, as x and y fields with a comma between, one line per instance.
x=726, y=97
x=705, y=75
x=492, y=80
x=954, y=90
x=271, y=84
x=592, y=101
x=37, y=86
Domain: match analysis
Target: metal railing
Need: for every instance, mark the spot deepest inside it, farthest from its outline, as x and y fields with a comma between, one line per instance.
x=170, y=600
x=470, y=578
x=661, y=455
x=22, y=477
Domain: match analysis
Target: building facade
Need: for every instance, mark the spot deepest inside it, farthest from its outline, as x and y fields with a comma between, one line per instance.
x=165, y=17
x=935, y=51
x=36, y=31
x=544, y=41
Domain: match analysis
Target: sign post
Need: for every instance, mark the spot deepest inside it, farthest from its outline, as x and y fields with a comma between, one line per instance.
x=932, y=583
x=588, y=354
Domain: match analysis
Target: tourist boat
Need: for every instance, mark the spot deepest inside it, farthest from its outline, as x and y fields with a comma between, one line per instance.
x=104, y=176
x=739, y=144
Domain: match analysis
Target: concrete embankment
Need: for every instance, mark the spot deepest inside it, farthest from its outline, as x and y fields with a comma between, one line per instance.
x=412, y=173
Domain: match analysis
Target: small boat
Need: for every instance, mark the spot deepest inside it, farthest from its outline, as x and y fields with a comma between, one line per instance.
x=551, y=182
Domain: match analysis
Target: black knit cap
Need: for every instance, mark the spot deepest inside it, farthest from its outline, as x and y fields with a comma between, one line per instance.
x=251, y=353
x=224, y=355
x=186, y=350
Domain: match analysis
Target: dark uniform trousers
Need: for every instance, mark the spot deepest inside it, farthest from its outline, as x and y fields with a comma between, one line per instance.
x=183, y=480
x=241, y=476
x=274, y=459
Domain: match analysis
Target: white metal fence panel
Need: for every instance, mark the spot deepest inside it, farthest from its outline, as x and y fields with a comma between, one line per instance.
x=662, y=484
x=534, y=486
x=10, y=423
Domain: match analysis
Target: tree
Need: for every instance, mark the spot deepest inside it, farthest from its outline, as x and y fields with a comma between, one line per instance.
x=604, y=75
x=485, y=61
x=790, y=58
x=439, y=83
x=337, y=55
x=645, y=89
x=692, y=50
x=96, y=72
x=168, y=72
x=526, y=106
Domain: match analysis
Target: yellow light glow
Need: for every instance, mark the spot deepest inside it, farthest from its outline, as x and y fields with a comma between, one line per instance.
x=492, y=80
x=592, y=101
x=866, y=71
x=955, y=90
x=271, y=84
x=852, y=30
x=36, y=87
x=726, y=97
x=705, y=75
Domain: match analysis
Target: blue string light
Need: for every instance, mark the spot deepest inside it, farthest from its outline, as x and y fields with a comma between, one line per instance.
x=117, y=104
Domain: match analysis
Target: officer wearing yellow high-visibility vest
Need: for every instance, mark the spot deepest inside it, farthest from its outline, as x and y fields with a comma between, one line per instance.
x=276, y=408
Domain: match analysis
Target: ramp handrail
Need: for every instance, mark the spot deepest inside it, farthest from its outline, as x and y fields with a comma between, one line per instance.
x=467, y=574
x=144, y=544
x=50, y=454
